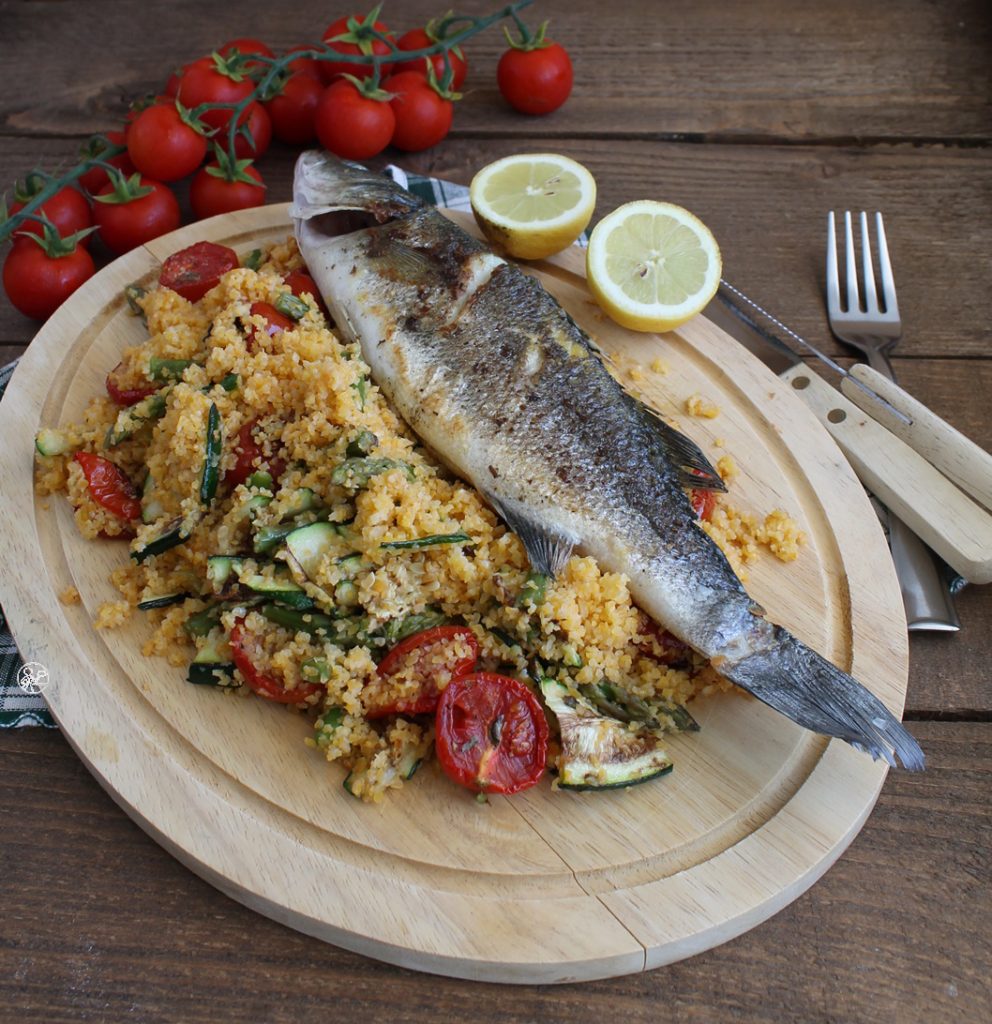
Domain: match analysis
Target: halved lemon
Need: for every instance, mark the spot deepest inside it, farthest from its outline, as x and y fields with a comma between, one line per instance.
x=652, y=266
x=533, y=204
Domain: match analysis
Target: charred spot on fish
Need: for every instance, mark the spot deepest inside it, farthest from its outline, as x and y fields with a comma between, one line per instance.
x=494, y=472
x=354, y=269
x=411, y=323
x=563, y=475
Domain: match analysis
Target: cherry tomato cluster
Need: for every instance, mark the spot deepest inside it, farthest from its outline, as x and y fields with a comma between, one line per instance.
x=218, y=114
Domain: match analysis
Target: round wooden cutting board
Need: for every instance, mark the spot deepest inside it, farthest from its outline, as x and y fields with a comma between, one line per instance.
x=541, y=887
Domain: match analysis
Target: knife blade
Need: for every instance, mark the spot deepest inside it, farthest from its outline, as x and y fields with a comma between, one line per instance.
x=925, y=592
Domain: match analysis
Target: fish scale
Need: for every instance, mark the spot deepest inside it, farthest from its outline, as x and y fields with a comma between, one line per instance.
x=495, y=377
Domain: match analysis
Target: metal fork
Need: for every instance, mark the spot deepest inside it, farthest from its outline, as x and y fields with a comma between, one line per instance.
x=874, y=327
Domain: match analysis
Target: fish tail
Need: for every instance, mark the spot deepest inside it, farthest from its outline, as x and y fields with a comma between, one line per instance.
x=793, y=679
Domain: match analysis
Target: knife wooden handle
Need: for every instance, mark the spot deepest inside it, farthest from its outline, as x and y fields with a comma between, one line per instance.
x=924, y=499
x=957, y=457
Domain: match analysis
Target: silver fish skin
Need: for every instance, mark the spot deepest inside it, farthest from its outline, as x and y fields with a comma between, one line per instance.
x=495, y=377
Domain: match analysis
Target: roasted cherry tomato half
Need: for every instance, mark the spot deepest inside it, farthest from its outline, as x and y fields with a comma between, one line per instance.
x=123, y=395
x=492, y=735
x=193, y=271
x=244, y=650
x=109, y=486
x=249, y=457
x=440, y=653
x=275, y=322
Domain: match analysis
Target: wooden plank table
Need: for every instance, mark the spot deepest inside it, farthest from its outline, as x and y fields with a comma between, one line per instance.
x=760, y=117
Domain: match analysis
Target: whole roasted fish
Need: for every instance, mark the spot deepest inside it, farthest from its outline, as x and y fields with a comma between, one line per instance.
x=496, y=378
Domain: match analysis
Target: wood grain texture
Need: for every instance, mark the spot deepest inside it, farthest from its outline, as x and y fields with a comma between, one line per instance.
x=767, y=207
x=897, y=929
x=543, y=887
x=688, y=69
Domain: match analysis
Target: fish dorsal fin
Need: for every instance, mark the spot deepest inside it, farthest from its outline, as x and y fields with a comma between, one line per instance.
x=693, y=468
x=547, y=549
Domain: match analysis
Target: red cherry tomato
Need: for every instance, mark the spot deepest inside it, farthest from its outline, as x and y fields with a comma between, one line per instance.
x=275, y=323
x=68, y=210
x=249, y=457
x=245, y=45
x=330, y=69
x=422, y=656
x=294, y=109
x=172, y=85
x=492, y=735
x=204, y=82
x=108, y=485
x=703, y=502
x=260, y=126
x=193, y=271
x=163, y=146
x=36, y=283
x=122, y=395
x=124, y=226
x=96, y=177
x=245, y=649
x=351, y=125
x=210, y=195
x=423, y=118
x=418, y=39
x=535, y=81
x=303, y=65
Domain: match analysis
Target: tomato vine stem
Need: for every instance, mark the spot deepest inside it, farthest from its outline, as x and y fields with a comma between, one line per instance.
x=276, y=67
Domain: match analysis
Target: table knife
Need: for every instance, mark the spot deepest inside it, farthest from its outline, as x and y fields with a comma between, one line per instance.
x=925, y=592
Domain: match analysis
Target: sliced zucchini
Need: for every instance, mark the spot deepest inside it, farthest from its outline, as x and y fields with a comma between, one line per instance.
x=261, y=480
x=220, y=567
x=346, y=594
x=162, y=602
x=316, y=670
x=599, y=752
x=169, y=536
x=212, y=665
x=52, y=442
x=310, y=544
x=350, y=564
x=151, y=508
x=279, y=588
x=134, y=417
x=361, y=389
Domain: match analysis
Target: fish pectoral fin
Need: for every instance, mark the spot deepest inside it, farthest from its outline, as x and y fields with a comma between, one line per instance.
x=694, y=469
x=547, y=549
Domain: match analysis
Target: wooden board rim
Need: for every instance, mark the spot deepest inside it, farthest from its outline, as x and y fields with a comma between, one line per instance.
x=624, y=913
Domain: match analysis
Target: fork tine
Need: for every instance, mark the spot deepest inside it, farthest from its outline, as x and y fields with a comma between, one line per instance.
x=871, y=299
x=833, y=279
x=853, y=301
x=885, y=270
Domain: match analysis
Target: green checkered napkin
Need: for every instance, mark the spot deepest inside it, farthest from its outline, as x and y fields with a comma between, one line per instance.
x=17, y=707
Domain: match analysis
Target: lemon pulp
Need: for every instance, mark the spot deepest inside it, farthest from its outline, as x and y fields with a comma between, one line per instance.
x=652, y=266
x=533, y=204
